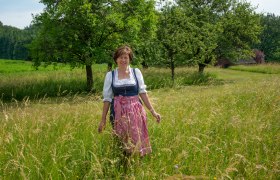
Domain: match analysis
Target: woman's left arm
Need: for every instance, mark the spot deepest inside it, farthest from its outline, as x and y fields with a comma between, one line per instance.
x=145, y=99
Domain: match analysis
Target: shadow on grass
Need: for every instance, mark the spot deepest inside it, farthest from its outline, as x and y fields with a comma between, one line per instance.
x=47, y=88
x=161, y=80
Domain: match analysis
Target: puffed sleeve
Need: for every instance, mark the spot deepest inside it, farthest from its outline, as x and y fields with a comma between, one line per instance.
x=107, y=88
x=142, y=86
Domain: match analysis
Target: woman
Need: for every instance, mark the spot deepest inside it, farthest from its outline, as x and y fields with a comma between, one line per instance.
x=122, y=88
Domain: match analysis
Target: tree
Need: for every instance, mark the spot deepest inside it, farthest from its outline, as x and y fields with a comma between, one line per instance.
x=241, y=29
x=223, y=29
x=205, y=29
x=84, y=31
x=143, y=42
x=173, y=33
x=188, y=33
x=139, y=18
x=270, y=37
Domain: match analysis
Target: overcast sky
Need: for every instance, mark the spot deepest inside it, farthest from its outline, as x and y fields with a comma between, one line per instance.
x=17, y=13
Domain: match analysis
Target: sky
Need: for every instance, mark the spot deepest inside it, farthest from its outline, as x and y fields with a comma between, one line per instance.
x=18, y=13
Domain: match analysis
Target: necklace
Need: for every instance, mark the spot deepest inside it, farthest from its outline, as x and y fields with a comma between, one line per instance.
x=123, y=74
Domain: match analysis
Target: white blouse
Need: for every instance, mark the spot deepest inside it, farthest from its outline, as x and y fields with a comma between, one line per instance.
x=107, y=88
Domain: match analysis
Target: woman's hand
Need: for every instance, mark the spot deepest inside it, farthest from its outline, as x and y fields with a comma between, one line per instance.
x=156, y=115
x=102, y=125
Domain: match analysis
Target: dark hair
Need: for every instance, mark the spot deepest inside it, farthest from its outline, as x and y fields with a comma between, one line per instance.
x=123, y=50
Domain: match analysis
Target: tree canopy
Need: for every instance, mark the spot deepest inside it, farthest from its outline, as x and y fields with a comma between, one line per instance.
x=199, y=32
x=270, y=37
x=85, y=32
x=241, y=28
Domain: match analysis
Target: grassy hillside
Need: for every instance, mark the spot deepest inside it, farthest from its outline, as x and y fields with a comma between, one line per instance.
x=227, y=128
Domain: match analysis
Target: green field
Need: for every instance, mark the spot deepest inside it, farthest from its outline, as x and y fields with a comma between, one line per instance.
x=224, y=127
x=266, y=69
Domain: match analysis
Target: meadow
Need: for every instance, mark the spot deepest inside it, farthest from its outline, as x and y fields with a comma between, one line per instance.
x=223, y=125
x=269, y=68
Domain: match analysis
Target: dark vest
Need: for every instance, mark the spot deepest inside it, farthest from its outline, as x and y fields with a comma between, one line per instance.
x=123, y=90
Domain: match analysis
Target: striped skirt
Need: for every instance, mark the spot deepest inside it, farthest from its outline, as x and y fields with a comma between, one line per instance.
x=130, y=124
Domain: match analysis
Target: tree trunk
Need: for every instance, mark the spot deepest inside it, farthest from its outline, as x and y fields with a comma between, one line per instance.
x=144, y=65
x=172, y=69
x=89, y=77
x=172, y=65
x=201, y=67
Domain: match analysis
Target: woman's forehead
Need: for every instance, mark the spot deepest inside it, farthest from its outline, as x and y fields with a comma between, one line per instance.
x=124, y=54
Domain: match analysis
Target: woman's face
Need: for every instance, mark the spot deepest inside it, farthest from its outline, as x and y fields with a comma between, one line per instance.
x=123, y=61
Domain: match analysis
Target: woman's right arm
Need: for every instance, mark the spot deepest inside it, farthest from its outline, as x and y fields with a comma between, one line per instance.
x=105, y=110
x=107, y=98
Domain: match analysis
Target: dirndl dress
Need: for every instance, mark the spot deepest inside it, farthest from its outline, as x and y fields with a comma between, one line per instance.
x=129, y=118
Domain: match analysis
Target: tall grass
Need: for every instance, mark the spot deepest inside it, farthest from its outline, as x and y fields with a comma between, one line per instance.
x=224, y=131
x=36, y=85
x=60, y=80
x=260, y=68
x=19, y=80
